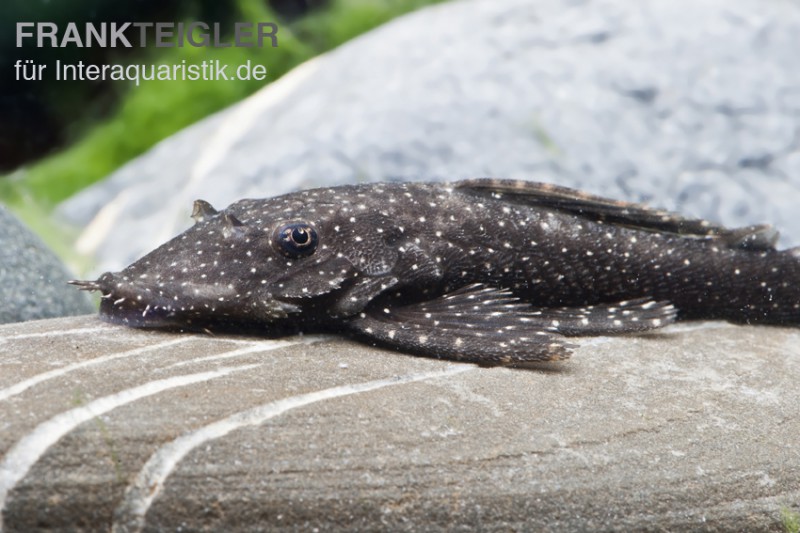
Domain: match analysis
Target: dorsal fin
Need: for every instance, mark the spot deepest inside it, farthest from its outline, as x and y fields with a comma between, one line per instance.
x=759, y=237
x=628, y=214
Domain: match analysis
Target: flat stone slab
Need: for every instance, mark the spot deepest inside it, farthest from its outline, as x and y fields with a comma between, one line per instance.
x=692, y=428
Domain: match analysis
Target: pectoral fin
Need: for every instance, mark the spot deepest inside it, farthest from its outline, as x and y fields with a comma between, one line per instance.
x=477, y=324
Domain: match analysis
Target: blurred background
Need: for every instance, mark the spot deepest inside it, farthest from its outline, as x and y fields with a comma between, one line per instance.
x=57, y=137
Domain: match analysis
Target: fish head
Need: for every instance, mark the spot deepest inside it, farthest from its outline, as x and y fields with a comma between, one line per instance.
x=280, y=263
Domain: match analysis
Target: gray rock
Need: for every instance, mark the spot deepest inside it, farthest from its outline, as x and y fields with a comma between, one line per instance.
x=693, y=106
x=693, y=428
x=33, y=281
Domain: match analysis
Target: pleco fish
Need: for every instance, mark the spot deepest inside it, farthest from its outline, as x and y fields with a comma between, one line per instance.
x=483, y=270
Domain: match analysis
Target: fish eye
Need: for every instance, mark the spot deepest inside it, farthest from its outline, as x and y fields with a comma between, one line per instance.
x=295, y=239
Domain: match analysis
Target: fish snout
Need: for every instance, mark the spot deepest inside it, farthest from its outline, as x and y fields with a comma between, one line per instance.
x=130, y=302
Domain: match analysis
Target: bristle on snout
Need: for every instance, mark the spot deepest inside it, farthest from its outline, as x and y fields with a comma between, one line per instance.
x=85, y=285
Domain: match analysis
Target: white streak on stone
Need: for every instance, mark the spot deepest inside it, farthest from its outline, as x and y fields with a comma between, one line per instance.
x=27, y=451
x=24, y=385
x=130, y=514
x=57, y=333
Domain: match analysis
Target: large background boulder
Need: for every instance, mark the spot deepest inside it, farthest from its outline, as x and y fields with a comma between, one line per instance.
x=33, y=282
x=688, y=105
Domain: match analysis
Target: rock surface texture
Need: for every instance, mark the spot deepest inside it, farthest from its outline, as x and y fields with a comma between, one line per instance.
x=691, y=428
x=33, y=282
x=688, y=105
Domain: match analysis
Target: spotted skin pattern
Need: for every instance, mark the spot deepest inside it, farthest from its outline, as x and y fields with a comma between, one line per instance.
x=488, y=271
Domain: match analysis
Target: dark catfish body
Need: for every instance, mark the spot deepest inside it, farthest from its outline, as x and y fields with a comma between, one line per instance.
x=490, y=271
